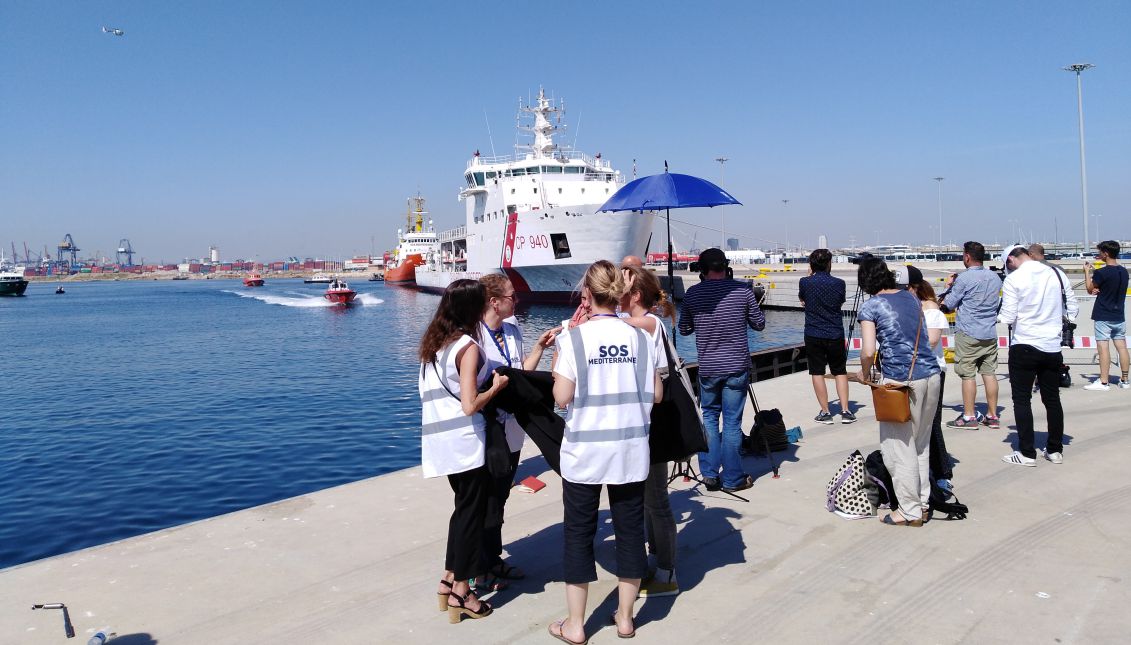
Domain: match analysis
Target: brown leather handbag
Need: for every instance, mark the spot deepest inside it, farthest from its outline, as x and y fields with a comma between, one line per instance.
x=893, y=402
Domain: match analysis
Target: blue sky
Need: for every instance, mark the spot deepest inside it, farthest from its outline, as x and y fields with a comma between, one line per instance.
x=299, y=128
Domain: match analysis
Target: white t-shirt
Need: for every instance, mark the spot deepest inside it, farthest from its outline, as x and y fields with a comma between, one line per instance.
x=613, y=370
x=510, y=354
x=936, y=319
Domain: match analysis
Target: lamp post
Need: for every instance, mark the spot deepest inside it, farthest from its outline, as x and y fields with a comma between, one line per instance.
x=722, y=216
x=785, y=205
x=1080, y=67
x=940, y=180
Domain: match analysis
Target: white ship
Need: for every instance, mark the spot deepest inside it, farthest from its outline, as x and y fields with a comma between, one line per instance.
x=533, y=216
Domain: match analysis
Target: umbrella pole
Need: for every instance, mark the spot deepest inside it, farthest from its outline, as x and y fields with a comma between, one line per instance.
x=671, y=270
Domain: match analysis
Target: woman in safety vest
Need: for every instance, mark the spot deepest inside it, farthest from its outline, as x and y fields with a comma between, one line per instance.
x=452, y=436
x=605, y=376
x=503, y=346
x=642, y=300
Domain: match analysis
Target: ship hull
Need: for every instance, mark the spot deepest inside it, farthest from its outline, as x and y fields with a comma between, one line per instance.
x=341, y=297
x=545, y=253
x=404, y=273
x=13, y=287
x=253, y=283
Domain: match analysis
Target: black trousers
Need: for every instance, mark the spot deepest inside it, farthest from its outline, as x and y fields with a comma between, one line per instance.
x=496, y=502
x=465, y=529
x=939, y=458
x=1027, y=363
x=627, y=504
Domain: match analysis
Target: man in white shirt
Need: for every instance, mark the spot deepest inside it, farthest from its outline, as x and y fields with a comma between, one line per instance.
x=1033, y=304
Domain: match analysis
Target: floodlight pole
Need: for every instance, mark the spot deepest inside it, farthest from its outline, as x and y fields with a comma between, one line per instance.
x=722, y=213
x=1080, y=67
x=785, y=204
x=940, y=180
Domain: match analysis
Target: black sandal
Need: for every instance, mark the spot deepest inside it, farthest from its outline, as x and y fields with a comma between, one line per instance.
x=442, y=596
x=455, y=614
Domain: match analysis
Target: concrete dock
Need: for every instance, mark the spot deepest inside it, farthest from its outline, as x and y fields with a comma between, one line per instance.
x=1045, y=555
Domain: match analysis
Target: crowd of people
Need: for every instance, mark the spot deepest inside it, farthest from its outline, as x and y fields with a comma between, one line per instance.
x=608, y=367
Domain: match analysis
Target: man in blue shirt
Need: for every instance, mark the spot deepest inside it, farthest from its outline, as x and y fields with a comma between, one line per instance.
x=822, y=296
x=1109, y=285
x=977, y=290
x=718, y=310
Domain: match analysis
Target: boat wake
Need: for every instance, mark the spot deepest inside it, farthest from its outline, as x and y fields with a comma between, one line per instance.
x=364, y=299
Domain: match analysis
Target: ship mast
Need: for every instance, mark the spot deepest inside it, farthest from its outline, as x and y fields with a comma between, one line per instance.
x=542, y=128
x=416, y=212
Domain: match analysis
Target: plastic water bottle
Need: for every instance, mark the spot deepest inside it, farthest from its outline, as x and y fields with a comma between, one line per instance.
x=100, y=637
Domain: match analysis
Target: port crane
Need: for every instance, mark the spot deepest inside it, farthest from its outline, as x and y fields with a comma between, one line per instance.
x=125, y=249
x=68, y=246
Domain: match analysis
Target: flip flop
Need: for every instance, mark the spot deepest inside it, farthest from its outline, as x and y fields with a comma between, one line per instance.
x=559, y=624
x=890, y=522
x=613, y=620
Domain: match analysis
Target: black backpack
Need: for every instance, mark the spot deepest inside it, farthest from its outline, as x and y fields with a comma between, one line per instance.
x=768, y=431
x=879, y=486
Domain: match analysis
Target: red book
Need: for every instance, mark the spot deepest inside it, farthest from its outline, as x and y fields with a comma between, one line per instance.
x=531, y=485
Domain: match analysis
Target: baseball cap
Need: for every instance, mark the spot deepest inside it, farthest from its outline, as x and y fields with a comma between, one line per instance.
x=1005, y=256
x=713, y=258
x=907, y=275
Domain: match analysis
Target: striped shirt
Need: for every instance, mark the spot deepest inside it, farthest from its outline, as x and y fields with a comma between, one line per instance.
x=718, y=312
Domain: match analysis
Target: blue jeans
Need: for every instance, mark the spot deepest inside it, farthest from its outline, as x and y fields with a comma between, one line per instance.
x=725, y=395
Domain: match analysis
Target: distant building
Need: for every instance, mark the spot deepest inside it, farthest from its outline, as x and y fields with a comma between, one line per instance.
x=822, y=242
x=732, y=244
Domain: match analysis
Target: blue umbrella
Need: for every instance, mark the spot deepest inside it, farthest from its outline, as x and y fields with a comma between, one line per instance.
x=667, y=191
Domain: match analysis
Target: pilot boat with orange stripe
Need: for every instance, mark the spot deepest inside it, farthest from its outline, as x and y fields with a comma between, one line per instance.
x=533, y=216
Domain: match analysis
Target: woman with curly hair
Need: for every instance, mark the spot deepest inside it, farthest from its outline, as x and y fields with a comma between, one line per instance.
x=891, y=320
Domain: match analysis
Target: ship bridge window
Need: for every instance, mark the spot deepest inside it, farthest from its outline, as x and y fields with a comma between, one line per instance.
x=560, y=245
x=478, y=178
x=470, y=181
x=516, y=172
x=533, y=170
x=491, y=174
x=557, y=170
x=574, y=170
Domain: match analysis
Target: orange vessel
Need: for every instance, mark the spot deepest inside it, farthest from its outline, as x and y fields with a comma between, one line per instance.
x=413, y=246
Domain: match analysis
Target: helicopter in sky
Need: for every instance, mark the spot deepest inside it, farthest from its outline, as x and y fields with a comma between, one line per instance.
x=113, y=30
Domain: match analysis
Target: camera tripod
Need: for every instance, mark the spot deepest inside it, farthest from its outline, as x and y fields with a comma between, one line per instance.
x=687, y=471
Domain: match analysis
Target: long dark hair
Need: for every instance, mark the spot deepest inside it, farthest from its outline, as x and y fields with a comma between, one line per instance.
x=874, y=276
x=459, y=312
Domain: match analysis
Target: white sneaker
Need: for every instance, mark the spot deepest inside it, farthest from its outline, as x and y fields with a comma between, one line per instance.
x=1018, y=459
x=1124, y=385
x=1054, y=457
x=1096, y=386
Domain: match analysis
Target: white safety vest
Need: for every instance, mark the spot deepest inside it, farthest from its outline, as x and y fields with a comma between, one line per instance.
x=613, y=370
x=450, y=441
x=512, y=343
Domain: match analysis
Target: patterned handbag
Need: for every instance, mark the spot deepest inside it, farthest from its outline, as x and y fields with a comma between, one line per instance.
x=845, y=491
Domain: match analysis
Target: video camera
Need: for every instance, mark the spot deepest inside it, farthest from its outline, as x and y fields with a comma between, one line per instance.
x=856, y=259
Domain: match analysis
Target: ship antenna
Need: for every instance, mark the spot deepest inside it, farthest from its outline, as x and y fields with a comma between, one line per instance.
x=577, y=130
x=489, y=137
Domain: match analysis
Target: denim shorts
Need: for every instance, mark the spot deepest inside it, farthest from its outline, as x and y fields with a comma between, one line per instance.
x=1107, y=330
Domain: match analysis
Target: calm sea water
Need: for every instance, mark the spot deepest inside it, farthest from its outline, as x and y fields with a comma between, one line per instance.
x=134, y=406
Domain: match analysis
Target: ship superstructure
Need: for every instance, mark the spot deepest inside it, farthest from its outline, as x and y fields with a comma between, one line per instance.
x=533, y=215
